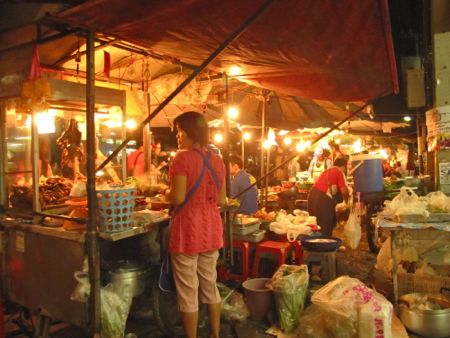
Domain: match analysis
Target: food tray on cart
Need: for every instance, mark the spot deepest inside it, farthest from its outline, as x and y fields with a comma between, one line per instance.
x=419, y=218
x=438, y=217
x=245, y=225
x=254, y=237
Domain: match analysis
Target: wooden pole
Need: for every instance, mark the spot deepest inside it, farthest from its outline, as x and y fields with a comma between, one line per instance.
x=92, y=239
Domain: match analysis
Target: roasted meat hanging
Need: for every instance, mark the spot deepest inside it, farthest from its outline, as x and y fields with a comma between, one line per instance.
x=72, y=150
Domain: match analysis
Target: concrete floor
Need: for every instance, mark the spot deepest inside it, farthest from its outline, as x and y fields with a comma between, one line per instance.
x=356, y=263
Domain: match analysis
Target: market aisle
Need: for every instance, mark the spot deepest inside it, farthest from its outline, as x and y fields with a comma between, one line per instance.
x=358, y=263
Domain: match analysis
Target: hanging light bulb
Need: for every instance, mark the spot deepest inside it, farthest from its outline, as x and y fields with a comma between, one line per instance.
x=357, y=146
x=287, y=141
x=247, y=136
x=131, y=124
x=45, y=122
x=234, y=70
x=271, y=137
x=266, y=144
x=300, y=146
x=233, y=112
x=218, y=138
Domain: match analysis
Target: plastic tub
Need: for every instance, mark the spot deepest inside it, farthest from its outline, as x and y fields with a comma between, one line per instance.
x=258, y=298
x=116, y=208
x=367, y=173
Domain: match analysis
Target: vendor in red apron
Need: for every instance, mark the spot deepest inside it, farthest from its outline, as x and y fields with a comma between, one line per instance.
x=324, y=196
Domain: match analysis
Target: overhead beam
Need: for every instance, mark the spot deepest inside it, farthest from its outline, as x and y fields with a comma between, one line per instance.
x=81, y=53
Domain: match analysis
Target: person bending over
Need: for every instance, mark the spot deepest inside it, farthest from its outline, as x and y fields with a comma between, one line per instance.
x=322, y=198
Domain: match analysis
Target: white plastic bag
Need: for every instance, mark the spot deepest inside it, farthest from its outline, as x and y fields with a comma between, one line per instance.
x=83, y=289
x=384, y=258
x=352, y=230
x=352, y=305
x=375, y=318
x=114, y=311
x=343, y=296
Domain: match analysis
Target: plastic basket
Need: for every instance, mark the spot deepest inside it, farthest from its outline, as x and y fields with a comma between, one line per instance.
x=116, y=209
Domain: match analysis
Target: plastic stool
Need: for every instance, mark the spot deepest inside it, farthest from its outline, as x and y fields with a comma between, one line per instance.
x=280, y=249
x=327, y=262
x=298, y=251
x=225, y=274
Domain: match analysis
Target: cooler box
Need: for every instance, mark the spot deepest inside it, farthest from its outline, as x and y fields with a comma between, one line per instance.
x=367, y=171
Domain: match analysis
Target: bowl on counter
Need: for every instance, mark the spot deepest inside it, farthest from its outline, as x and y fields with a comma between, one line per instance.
x=321, y=243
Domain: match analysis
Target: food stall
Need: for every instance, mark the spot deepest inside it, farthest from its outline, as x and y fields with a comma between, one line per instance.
x=44, y=238
x=198, y=51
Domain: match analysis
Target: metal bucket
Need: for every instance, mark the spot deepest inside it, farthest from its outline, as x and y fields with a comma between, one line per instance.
x=427, y=323
x=128, y=276
x=258, y=298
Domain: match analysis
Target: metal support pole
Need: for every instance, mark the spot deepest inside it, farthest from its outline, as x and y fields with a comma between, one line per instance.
x=243, y=150
x=419, y=142
x=92, y=239
x=35, y=162
x=226, y=154
x=3, y=156
x=124, y=135
x=233, y=36
x=263, y=135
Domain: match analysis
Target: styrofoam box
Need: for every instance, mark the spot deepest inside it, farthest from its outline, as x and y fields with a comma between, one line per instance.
x=245, y=229
x=254, y=237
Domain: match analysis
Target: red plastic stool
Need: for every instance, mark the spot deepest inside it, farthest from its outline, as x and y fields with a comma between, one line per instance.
x=225, y=274
x=298, y=252
x=280, y=249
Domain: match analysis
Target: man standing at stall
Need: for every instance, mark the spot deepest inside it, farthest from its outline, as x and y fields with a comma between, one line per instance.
x=323, y=197
x=241, y=180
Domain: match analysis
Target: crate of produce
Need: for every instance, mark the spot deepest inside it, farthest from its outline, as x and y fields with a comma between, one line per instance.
x=254, y=237
x=410, y=283
x=116, y=207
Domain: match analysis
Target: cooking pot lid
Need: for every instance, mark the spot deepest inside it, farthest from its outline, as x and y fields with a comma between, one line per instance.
x=126, y=265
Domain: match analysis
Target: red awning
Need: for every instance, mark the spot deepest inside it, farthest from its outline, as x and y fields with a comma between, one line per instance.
x=318, y=49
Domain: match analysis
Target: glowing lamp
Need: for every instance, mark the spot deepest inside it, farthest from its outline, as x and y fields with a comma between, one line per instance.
x=218, y=138
x=233, y=112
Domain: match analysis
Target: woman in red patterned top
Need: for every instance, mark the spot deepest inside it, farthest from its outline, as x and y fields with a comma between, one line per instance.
x=196, y=228
x=320, y=202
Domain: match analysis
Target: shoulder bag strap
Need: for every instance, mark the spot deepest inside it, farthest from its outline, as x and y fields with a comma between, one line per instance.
x=196, y=184
x=210, y=168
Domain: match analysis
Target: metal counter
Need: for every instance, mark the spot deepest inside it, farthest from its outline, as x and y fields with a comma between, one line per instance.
x=39, y=264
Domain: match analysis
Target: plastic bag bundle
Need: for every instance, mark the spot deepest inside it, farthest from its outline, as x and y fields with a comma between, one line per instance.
x=438, y=202
x=294, y=224
x=406, y=203
x=341, y=296
x=114, y=312
x=317, y=322
x=352, y=230
x=352, y=304
x=83, y=289
x=233, y=305
x=290, y=285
